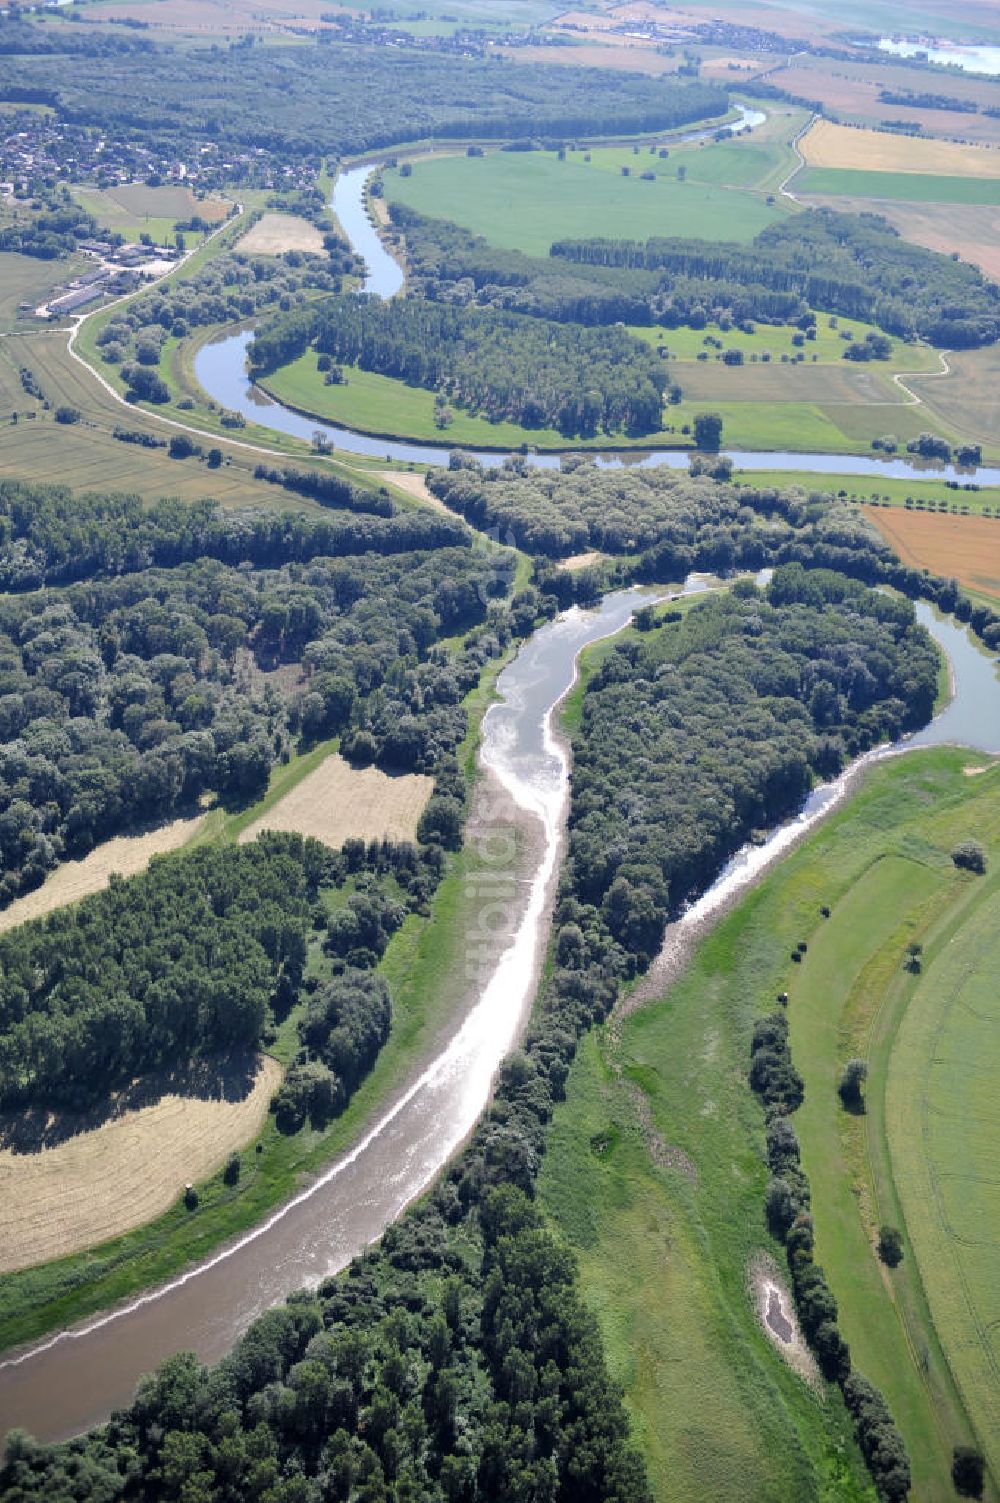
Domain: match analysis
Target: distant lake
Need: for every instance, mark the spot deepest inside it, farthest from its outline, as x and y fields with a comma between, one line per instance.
x=974, y=58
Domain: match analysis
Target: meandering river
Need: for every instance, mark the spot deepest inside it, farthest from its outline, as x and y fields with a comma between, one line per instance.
x=221, y=370
x=73, y=1379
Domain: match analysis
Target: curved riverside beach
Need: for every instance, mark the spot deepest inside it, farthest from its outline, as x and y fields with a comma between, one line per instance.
x=73, y=1379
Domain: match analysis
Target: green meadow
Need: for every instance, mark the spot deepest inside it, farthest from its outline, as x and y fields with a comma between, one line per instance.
x=910, y=187
x=655, y=1175
x=526, y=200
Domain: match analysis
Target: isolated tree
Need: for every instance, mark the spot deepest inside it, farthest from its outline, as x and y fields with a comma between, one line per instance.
x=970, y=856
x=708, y=430
x=968, y=1471
x=890, y=1246
x=852, y=1083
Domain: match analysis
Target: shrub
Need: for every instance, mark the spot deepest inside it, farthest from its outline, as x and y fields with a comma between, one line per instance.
x=970, y=856
x=968, y=1471
x=890, y=1246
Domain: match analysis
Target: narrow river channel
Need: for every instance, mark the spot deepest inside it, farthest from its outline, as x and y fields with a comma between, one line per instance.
x=72, y=1380
x=221, y=371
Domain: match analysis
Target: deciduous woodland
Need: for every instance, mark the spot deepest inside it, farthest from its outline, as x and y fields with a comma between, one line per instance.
x=465, y=1322
x=307, y=102
x=850, y=264
x=855, y=266
x=496, y=364
x=126, y=698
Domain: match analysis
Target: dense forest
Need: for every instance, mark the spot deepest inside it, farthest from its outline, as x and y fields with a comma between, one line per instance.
x=687, y=521
x=311, y=100
x=50, y=535
x=454, y=1362
x=124, y=699
x=697, y=733
x=186, y=961
x=856, y=265
x=496, y=364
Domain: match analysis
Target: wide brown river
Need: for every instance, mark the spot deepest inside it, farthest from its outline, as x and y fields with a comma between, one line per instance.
x=72, y=1380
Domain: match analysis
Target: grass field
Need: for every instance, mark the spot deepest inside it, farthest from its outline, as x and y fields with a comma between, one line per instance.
x=839, y=146
x=26, y=279
x=914, y=187
x=655, y=1173
x=832, y=337
x=337, y=802
x=132, y=209
x=962, y=548
x=104, y=1180
x=526, y=200
x=763, y=407
x=944, y=1129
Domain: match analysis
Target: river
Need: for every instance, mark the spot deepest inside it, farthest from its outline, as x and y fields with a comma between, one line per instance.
x=221, y=370
x=73, y=1379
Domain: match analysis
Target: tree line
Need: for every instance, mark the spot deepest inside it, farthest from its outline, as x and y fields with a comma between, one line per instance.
x=493, y=363
x=124, y=700
x=856, y=265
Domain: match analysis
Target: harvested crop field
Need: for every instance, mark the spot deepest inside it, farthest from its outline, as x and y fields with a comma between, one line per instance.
x=851, y=91
x=962, y=548
x=107, y=1179
x=125, y=855
x=829, y=145
x=338, y=802
x=275, y=233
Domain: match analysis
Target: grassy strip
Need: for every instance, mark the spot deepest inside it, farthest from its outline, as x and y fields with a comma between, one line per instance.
x=656, y=1177
x=885, y=490
x=906, y=187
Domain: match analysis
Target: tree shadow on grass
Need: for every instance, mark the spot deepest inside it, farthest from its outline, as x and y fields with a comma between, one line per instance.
x=230, y=1078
